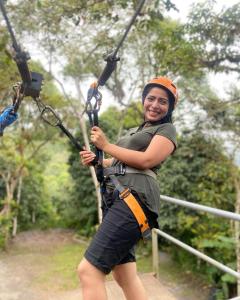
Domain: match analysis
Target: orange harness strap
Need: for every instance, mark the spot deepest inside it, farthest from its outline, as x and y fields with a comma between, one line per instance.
x=137, y=210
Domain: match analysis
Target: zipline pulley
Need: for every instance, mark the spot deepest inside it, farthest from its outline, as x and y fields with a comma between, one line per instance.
x=92, y=109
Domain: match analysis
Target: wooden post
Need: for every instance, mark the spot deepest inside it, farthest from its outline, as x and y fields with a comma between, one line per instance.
x=155, y=254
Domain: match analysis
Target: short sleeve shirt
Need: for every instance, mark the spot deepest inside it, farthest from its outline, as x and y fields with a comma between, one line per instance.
x=146, y=186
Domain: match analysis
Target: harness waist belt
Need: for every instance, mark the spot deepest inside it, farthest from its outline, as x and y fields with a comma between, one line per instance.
x=121, y=170
x=148, y=172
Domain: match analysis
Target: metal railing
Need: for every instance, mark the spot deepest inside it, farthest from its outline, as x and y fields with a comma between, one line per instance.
x=215, y=211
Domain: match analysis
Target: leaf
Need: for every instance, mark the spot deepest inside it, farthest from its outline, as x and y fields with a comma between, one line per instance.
x=228, y=278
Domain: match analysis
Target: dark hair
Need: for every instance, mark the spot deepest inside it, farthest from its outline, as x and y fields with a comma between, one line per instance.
x=168, y=117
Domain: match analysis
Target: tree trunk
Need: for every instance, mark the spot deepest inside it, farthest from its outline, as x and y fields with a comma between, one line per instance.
x=18, y=200
x=10, y=185
x=33, y=217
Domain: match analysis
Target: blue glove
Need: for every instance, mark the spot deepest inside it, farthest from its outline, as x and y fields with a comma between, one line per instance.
x=7, y=118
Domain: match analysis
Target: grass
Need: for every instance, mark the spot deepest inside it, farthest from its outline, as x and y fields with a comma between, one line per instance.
x=144, y=257
x=58, y=267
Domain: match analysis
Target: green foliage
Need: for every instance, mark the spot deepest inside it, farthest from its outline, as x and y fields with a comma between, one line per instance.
x=216, y=35
x=19, y=156
x=133, y=116
x=199, y=172
x=36, y=209
x=110, y=122
x=172, y=51
x=8, y=68
x=81, y=211
x=5, y=226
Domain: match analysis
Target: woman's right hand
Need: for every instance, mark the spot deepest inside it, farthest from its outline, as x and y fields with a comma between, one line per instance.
x=87, y=157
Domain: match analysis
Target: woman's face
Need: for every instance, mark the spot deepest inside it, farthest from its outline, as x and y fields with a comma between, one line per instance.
x=156, y=104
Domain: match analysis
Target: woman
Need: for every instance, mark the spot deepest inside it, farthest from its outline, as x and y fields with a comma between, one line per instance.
x=7, y=117
x=142, y=150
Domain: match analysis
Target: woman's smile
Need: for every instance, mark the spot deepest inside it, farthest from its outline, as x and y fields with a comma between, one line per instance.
x=156, y=104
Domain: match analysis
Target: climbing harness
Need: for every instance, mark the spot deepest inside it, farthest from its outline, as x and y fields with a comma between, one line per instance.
x=122, y=169
x=92, y=112
x=126, y=195
x=31, y=86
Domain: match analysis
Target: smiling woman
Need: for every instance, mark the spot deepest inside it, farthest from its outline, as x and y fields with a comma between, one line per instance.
x=160, y=97
x=156, y=105
x=140, y=154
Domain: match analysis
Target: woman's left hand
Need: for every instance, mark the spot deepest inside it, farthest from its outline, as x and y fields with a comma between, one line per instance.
x=98, y=138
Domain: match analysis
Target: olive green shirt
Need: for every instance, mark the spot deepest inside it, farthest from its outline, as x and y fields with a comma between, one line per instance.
x=146, y=186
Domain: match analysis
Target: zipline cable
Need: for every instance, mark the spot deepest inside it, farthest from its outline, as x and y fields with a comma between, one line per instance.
x=93, y=92
x=31, y=81
x=112, y=58
x=21, y=56
x=31, y=85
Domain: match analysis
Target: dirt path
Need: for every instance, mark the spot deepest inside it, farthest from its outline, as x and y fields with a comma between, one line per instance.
x=28, y=257
x=24, y=261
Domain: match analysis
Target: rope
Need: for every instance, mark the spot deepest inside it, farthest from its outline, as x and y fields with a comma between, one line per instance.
x=138, y=9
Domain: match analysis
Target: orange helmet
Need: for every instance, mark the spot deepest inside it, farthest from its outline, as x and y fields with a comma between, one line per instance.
x=167, y=84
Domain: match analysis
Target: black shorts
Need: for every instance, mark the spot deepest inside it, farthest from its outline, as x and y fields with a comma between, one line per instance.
x=114, y=242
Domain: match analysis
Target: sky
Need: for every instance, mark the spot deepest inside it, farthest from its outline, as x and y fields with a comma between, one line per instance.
x=219, y=82
x=185, y=5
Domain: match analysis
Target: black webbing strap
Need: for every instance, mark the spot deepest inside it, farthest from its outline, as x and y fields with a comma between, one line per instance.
x=31, y=81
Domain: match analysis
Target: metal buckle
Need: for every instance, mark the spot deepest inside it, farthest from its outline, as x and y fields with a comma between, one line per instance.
x=121, y=169
x=116, y=170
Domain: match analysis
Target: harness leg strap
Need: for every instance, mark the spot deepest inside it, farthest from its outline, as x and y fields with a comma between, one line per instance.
x=137, y=211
